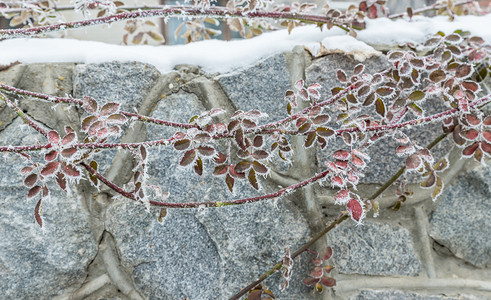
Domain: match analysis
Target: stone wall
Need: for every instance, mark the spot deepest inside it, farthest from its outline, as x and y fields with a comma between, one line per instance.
x=98, y=247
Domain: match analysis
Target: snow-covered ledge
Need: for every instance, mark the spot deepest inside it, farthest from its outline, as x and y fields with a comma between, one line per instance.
x=96, y=246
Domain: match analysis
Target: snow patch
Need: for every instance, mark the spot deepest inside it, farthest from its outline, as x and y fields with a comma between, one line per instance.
x=215, y=56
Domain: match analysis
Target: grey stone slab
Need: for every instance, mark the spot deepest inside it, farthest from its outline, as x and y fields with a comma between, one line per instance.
x=405, y=295
x=39, y=263
x=373, y=249
x=384, y=162
x=173, y=260
x=125, y=83
x=461, y=220
x=252, y=238
x=52, y=79
x=261, y=86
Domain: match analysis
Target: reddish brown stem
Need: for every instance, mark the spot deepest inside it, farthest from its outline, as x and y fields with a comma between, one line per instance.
x=429, y=8
x=173, y=11
x=276, y=194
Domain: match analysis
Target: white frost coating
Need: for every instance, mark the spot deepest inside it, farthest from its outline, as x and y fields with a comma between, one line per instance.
x=221, y=56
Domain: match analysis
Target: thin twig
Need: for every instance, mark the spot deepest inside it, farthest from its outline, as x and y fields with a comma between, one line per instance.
x=429, y=8
x=273, y=195
x=170, y=11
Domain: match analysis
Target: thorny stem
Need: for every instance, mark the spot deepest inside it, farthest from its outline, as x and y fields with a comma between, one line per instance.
x=451, y=112
x=80, y=102
x=341, y=218
x=21, y=114
x=273, y=195
x=435, y=6
x=182, y=11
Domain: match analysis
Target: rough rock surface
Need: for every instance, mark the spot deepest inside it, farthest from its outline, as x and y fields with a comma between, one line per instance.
x=39, y=263
x=125, y=83
x=261, y=86
x=373, y=249
x=461, y=220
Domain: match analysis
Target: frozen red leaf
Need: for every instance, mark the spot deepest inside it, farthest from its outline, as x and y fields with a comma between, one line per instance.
x=358, y=69
x=248, y=124
x=309, y=141
x=252, y=179
x=487, y=135
x=416, y=95
x=341, y=76
x=321, y=119
x=31, y=180
x=90, y=105
x=385, y=91
x=358, y=162
x=220, y=158
x=299, y=84
x=430, y=181
x=305, y=127
x=198, y=166
x=202, y=137
x=337, y=181
x=109, y=108
x=50, y=168
x=437, y=76
x=486, y=147
x=463, y=70
x=188, y=158
x=95, y=127
x=53, y=137
x=470, y=85
x=220, y=170
x=472, y=120
x=26, y=170
x=38, y=212
x=325, y=132
x=395, y=55
x=70, y=170
x=243, y=166
x=341, y=155
x=328, y=281
x=327, y=253
x=469, y=150
x=239, y=138
x=67, y=153
x=260, y=154
x=60, y=179
x=470, y=134
x=355, y=209
x=413, y=162
x=259, y=167
x=258, y=141
x=316, y=272
x=34, y=191
x=116, y=119
x=310, y=281
x=87, y=122
x=206, y=150
x=405, y=149
x=230, y=183
x=380, y=107
x=182, y=144
x=50, y=156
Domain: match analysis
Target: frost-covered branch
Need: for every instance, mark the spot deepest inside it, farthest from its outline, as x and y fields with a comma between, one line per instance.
x=178, y=11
